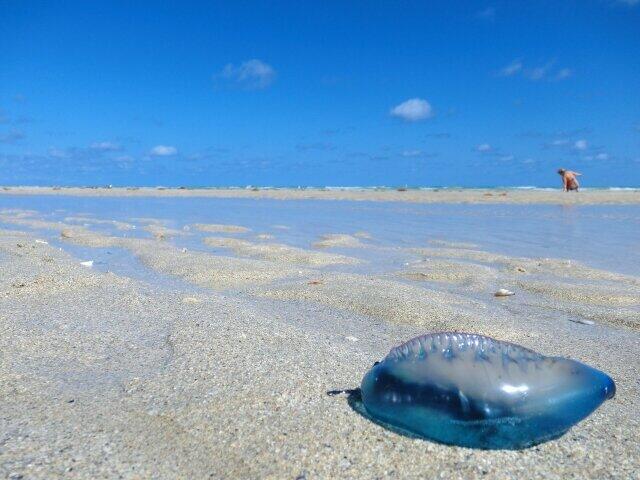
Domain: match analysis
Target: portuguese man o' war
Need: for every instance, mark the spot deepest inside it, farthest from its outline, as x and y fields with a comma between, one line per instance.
x=478, y=392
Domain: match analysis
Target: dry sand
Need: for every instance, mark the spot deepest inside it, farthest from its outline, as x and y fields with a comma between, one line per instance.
x=528, y=196
x=103, y=376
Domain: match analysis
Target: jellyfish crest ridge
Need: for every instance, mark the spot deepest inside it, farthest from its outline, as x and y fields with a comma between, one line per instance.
x=459, y=341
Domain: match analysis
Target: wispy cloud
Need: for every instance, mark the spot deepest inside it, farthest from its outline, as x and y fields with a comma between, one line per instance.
x=572, y=141
x=84, y=156
x=487, y=150
x=124, y=158
x=538, y=73
x=332, y=80
x=106, y=147
x=19, y=120
x=630, y=3
x=413, y=110
x=600, y=156
x=581, y=144
x=61, y=165
x=417, y=154
x=412, y=153
x=588, y=151
x=488, y=13
x=252, y=74
x=439, y=135
x=163, y=151
x=12, y=136
x=564, y=73
x=320, y=146
x=547, y=71
x=58, y=153
x=512, y=69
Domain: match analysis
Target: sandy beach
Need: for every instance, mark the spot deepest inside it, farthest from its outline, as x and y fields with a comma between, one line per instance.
x=448, y=195
x=320, y=240
x=214, y=359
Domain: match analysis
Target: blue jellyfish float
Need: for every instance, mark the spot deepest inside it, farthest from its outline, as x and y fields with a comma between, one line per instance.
x=474, y=391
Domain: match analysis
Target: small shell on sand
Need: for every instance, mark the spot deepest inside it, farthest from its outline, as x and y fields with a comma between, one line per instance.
x=44, y=242
x=88, y=263
x=503, y=292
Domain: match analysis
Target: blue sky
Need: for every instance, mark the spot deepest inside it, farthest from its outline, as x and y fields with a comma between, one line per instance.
x=424, y=93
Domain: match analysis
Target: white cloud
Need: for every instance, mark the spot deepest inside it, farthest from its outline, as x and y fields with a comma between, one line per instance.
x=253, y=74
x=163, y=151
x=564, y=73
x=106, y=146
x=511, y=69
x=602, y=156
x=580, y=145
x=560, y=142
x=484, y=148
x=412, y=110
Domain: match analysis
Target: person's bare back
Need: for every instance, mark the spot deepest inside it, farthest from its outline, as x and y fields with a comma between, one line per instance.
x=569, y=180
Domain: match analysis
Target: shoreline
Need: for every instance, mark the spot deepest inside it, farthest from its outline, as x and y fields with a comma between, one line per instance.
x=447, y=195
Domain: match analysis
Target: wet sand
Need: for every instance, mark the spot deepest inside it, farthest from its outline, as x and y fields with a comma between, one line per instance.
x=226, y=376
x=467, y=195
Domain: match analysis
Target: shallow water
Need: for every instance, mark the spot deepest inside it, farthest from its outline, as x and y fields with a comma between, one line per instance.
x=602, y=236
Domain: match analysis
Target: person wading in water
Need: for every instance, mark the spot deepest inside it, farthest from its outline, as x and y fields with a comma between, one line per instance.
x=569, y=180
